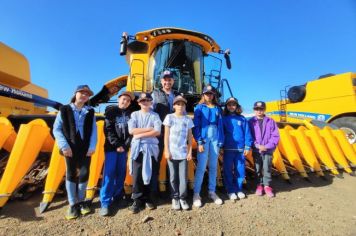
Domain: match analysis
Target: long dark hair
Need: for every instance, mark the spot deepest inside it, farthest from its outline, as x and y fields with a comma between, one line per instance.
x=238, y=110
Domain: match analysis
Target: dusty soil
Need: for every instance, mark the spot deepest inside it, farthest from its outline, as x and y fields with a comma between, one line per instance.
x=319, y=207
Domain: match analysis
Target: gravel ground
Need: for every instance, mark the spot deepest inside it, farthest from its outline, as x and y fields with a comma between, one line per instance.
x=319, y=207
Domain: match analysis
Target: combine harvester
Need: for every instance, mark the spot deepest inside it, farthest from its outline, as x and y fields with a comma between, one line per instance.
x=190, y=56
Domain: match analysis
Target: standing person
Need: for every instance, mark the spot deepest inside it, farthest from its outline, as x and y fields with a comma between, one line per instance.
x=177, y=134
x=76, y=135
x=237, y=144
x=266, y=136
x=117, y=143
x=145, y=126
x=209, y=134
x=162, y=104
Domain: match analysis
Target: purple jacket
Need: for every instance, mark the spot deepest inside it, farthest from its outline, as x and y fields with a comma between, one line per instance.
x=270, y=135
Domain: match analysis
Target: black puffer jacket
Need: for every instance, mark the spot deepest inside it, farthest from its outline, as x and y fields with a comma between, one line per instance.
x=116, y=128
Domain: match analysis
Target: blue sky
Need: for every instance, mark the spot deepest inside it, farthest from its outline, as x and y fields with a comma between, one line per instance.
x=273, y=43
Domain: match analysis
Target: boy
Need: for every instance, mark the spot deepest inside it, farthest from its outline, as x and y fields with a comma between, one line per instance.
x=145, y=126
x=265, y=134
x=178, y=132
x=117, y=143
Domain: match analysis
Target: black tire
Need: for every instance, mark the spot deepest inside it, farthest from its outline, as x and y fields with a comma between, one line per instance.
x=296, y=93
x=348, y=124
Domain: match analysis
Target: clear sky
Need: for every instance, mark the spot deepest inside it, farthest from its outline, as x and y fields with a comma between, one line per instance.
x=273, y=43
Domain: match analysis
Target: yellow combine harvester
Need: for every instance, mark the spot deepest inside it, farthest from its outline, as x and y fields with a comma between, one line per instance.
x=190, y=56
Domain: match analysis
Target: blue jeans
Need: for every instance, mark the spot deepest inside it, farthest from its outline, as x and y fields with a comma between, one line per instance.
x=211, y=153
x=234, y=171
x=113, y=177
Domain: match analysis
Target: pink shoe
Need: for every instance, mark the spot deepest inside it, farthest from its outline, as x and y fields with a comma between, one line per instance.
x=259, y=190
x=269, y=191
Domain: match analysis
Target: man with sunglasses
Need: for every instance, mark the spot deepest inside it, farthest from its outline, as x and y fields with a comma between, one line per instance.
x=265, y=133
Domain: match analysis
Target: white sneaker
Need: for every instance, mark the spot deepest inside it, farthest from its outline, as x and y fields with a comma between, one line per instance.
x=241, y=195
x=175, y=204
x=184, y=204
x=215, y=198
x=196, y=200
x=232, y=196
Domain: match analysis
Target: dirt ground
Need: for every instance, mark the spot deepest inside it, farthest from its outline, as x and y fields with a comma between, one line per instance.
x=318, y=207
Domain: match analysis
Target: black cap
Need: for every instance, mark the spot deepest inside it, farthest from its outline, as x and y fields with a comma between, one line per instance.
x=129, y=94
x=166, y=74
x=259, y=104
x=86, y=88
x=230, y=100
x=144, y=96
x=209, y=89
x=179, y=98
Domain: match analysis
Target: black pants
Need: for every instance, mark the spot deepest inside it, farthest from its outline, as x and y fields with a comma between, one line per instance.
x=79, y=161
x=139, y=189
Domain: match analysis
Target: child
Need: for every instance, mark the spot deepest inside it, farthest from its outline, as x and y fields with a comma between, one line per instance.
x=237, y=144
x=209, y=134
x=117, y=143
x=76, y=133
x=145, y=126
x=266, y=136
x=178, y=132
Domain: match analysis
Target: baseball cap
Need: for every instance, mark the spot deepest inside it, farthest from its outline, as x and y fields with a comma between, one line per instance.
x=230, y=100
x=179, y=98
x=144, y=96
x=166, y=74
x=129, y=94
x=259, y=104
x=86, y=88
x=208, y=89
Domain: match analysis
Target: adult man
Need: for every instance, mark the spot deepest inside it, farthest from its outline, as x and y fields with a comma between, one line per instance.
x=163, y=105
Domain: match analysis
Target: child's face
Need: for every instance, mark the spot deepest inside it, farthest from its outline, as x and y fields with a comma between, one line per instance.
x=259, y=111
x=145, y=104
x=231, y=107
x=82, y=96
x=179, y=107
x=124, y=101
x=208, y=97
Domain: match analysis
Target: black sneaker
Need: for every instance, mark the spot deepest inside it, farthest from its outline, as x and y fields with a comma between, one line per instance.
x=72, y=212
x=136, y=206
x=150, y=205
x=84, y=208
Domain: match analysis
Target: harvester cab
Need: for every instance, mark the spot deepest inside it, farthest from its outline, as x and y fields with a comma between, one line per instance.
x=187, y=54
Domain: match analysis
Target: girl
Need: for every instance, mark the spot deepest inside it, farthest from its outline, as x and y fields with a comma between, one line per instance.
x=237, y=144
x=178, y=132
x=76, y=134
x=208, y=132
x=266, y=137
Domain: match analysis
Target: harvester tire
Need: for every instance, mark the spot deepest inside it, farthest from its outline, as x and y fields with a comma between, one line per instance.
x=348, y=125
x=296, y=93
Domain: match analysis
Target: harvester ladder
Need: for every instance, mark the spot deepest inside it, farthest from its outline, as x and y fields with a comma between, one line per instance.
x=282, y=105
x=134, y=76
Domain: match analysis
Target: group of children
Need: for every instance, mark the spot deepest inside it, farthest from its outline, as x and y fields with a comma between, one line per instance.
x=141, y=132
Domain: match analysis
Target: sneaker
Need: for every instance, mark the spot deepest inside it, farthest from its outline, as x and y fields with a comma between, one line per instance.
x=259, y=190
x=150, y=206
x=241, y=195
x=175, y=204
x=136, y=206
x=269, y=191
x=84, y=208
x=104, y=211
x=72, y=212
x=184, y=204
x=232, y=196
x=197, y=200
x=215, y=198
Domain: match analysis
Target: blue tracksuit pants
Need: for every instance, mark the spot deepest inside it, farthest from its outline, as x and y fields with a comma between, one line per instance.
x=234, y=170
x=113, y=177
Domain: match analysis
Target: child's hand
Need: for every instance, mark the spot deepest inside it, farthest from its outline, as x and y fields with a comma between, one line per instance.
x=246, y=152
x=90, y=152
x=120, y=149
x=189, y=156
x=200, y=148
x=67, y=152
x=262, y=148
x=167, y=155
x=137, y=136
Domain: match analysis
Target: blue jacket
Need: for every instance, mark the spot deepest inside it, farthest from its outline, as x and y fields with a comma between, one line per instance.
x=201, y=123
x=237, y=133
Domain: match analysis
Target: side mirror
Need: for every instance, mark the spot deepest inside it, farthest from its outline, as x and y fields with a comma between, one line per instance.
x=123, y=44
x=227, y=58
